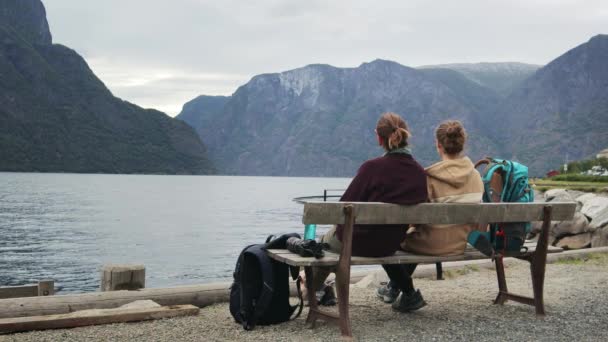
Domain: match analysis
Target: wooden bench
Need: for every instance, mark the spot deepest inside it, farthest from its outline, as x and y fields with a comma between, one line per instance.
x=428, y=213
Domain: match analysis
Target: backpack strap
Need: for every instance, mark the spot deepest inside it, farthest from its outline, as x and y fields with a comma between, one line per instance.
x=301, y=304
x=486, y=160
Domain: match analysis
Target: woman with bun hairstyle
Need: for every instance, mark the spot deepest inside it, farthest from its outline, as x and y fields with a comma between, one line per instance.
x=453, y=179
x=396, y=177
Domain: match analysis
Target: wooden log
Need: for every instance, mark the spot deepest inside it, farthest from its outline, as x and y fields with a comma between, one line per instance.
x=434, y=213
x=94, y=317
x=18, y=291
x=123, y=277
x=46, y=287
x=198, y=295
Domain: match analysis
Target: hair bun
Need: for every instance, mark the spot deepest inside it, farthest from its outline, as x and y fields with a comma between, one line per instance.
x=452, y=136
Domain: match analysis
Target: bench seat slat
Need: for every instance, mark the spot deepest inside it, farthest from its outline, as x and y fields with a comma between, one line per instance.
x=331, y=259
x=434, y=213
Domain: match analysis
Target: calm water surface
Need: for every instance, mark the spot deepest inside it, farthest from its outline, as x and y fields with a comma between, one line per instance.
x=184, y=229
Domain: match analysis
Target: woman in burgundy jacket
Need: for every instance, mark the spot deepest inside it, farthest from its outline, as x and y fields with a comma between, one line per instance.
x=395, y=177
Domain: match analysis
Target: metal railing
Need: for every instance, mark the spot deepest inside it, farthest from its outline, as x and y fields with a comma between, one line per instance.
x=323, y=197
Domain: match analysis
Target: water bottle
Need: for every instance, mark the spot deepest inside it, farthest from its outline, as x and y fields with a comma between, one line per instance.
x=310, y=231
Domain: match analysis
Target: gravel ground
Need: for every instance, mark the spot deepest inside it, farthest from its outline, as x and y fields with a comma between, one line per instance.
x=459, y=309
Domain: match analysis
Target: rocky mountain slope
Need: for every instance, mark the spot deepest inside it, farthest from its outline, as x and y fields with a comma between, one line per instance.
x=319, y=120
x=57, y=116
x=202, y=111
x=500, y=77
x=561, y=112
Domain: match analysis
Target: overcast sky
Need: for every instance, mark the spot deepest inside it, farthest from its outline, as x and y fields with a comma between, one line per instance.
x=160, y=54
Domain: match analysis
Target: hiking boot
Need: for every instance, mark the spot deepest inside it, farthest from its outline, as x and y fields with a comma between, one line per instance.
x=387, y=293
x=326, y=296
x=408, y=303
x=329, y=299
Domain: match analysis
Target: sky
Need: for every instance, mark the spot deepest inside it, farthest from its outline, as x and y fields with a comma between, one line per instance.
x=160, y=54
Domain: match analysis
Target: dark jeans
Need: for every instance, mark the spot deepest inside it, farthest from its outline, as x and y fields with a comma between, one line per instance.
x=401, y=276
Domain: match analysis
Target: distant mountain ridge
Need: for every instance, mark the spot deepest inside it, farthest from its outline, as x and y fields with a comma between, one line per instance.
x=561, y=112
x=318, y=120
x=57, y=116
x=502, y=77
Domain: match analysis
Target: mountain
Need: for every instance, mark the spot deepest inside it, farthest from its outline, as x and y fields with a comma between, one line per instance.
x=202, y=111
x=561, y=112
x=319, y=120
x=500, y=77
x=57, y=116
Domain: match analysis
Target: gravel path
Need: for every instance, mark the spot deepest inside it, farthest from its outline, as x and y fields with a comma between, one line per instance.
x=459, y=309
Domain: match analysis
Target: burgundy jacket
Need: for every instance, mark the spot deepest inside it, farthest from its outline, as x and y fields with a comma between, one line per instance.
x=393, y=178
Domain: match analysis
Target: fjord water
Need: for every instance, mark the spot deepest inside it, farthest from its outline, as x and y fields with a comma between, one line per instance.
x=184, y=229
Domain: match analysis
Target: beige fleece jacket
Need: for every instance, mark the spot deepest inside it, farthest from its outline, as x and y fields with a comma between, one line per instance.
x=454, y=180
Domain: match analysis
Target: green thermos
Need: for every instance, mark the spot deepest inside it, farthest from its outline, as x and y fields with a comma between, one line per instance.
x=310, y=231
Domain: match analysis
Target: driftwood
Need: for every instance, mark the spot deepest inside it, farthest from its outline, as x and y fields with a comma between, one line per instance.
x=95, y=317
x=198, y=295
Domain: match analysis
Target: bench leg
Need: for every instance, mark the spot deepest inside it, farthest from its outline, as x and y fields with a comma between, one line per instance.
x=312, y=299
x=538, y=281
x=343, y=287
x=439, y=269
x=539, y=262
x=502, y=281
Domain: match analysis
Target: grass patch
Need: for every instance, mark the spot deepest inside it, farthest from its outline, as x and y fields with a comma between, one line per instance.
x=548, y=184
x=589, y=259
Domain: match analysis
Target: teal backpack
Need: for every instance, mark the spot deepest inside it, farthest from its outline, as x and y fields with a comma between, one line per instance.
x=503, y=181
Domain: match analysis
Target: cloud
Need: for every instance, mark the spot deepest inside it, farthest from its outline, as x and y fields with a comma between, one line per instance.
x=180, y=48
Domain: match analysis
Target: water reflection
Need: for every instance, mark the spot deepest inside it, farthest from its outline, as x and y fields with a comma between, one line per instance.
x=184, y=229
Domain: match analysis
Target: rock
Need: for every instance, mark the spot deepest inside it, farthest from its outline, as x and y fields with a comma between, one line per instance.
x=600, y=220
x=575, y=194
x=557, y=195
x=600, y=238
x=579, y=224
x=594, y=206
x=369, y=281
x=537, y=226
x=583, y=199
x=575, y=241
x=141, y=304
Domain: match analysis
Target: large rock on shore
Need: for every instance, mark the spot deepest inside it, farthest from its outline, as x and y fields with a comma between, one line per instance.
x=579, y=224
x=575, y=241
x=600, y=238
x=557, y=195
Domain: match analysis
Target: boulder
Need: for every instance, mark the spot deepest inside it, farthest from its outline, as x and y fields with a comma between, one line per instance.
x=557, y=195
x=600, y=238
x=575, y=194
x=579, y=224
x=594, y=206
x=537, y=226
x=575, y=241
x=600, y=220
x=583, y=199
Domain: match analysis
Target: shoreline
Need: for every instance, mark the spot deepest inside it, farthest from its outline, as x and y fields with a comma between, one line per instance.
x=460, y=308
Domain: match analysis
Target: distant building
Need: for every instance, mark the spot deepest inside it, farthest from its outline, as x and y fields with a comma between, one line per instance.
x=602, y=154
x=552, y=173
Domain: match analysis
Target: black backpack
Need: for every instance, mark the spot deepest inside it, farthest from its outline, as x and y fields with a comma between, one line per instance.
x=260, y=291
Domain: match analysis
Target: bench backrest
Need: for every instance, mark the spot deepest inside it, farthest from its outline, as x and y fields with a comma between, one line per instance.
x=435, y=213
